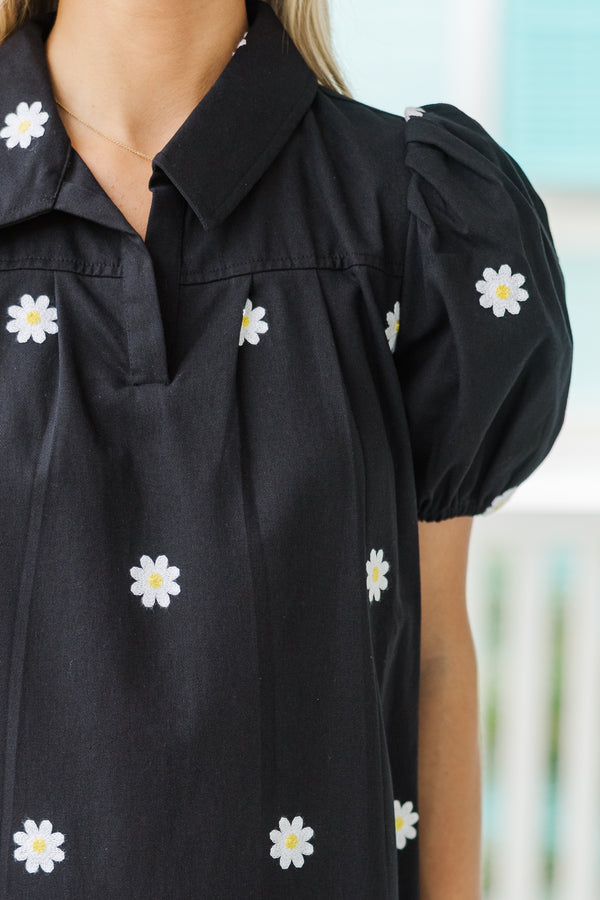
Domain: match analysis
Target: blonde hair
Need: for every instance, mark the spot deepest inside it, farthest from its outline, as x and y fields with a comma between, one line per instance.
x=306, y=21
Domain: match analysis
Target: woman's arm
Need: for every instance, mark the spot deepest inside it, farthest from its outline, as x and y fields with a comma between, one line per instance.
x=449, y=754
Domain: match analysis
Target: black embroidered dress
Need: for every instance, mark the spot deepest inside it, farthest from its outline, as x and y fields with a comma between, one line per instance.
x=216, y=445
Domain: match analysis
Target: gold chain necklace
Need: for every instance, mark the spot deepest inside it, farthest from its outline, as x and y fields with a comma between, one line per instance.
x=114, y=140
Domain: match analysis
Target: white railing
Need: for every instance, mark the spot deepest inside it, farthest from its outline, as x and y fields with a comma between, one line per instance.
x=533, y=592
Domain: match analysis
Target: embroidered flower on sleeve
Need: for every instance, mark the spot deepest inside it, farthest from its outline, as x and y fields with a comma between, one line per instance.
x=252, y=324
x=32, y=319
x=393, y=326
x=501, y=290
x=25, y=124
x=405, y=820
x=290, y=843
x=499, y=502
x=38, y=847
x=376, y=569
x=413, y=111
x=154, y=581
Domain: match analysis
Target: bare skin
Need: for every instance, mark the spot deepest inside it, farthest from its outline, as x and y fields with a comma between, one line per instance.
x=135, y=69
x=449, y=752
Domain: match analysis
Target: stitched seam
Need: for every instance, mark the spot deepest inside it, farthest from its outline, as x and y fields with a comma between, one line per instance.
x=190, y=277
x=216, y=273
x=54, y=259
x=252, y=259
x=75, y=267
x=78, y=272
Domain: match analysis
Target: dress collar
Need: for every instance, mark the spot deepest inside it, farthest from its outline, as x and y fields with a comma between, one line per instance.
x=216, y=156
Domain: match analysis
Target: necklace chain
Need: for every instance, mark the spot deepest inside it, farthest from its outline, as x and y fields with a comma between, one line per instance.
x=114, y=140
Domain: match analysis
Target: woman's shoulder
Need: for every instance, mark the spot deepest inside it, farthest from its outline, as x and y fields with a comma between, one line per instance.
x=435, y=143
x=441, y=127
x=435, y=162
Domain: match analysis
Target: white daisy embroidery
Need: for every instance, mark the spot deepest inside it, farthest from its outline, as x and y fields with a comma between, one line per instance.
x=499, y=501
x=393, y=326
x=154, y=581
x=290, y=843
x=38, y=847
x=376, y=569
x=25, y=124
x=501, y=290
x=405, y=820
x=32, y=319
x=252, y=324
x=413, y=111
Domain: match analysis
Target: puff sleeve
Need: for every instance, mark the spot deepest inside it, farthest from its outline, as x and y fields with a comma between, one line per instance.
x=484, y=345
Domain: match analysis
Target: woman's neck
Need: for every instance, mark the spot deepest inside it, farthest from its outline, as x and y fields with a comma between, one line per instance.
x=135, y=69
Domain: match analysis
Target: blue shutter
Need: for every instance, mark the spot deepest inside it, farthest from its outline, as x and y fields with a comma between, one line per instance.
x=551, y=102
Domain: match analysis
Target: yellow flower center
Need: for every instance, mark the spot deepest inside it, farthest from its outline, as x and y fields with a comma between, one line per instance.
x=39, y=845
x=33, y=317
x=399, y=822
x=291, y=841
x=25, y=125
x=375, y=574
x=502, y=292
x=245, y=321
x=155, y=580
x=397, y=326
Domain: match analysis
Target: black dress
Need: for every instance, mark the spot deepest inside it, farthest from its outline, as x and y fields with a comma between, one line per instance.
x=215, y=447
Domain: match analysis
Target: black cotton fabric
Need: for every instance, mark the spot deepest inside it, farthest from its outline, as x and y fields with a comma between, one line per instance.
x=216, y=445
